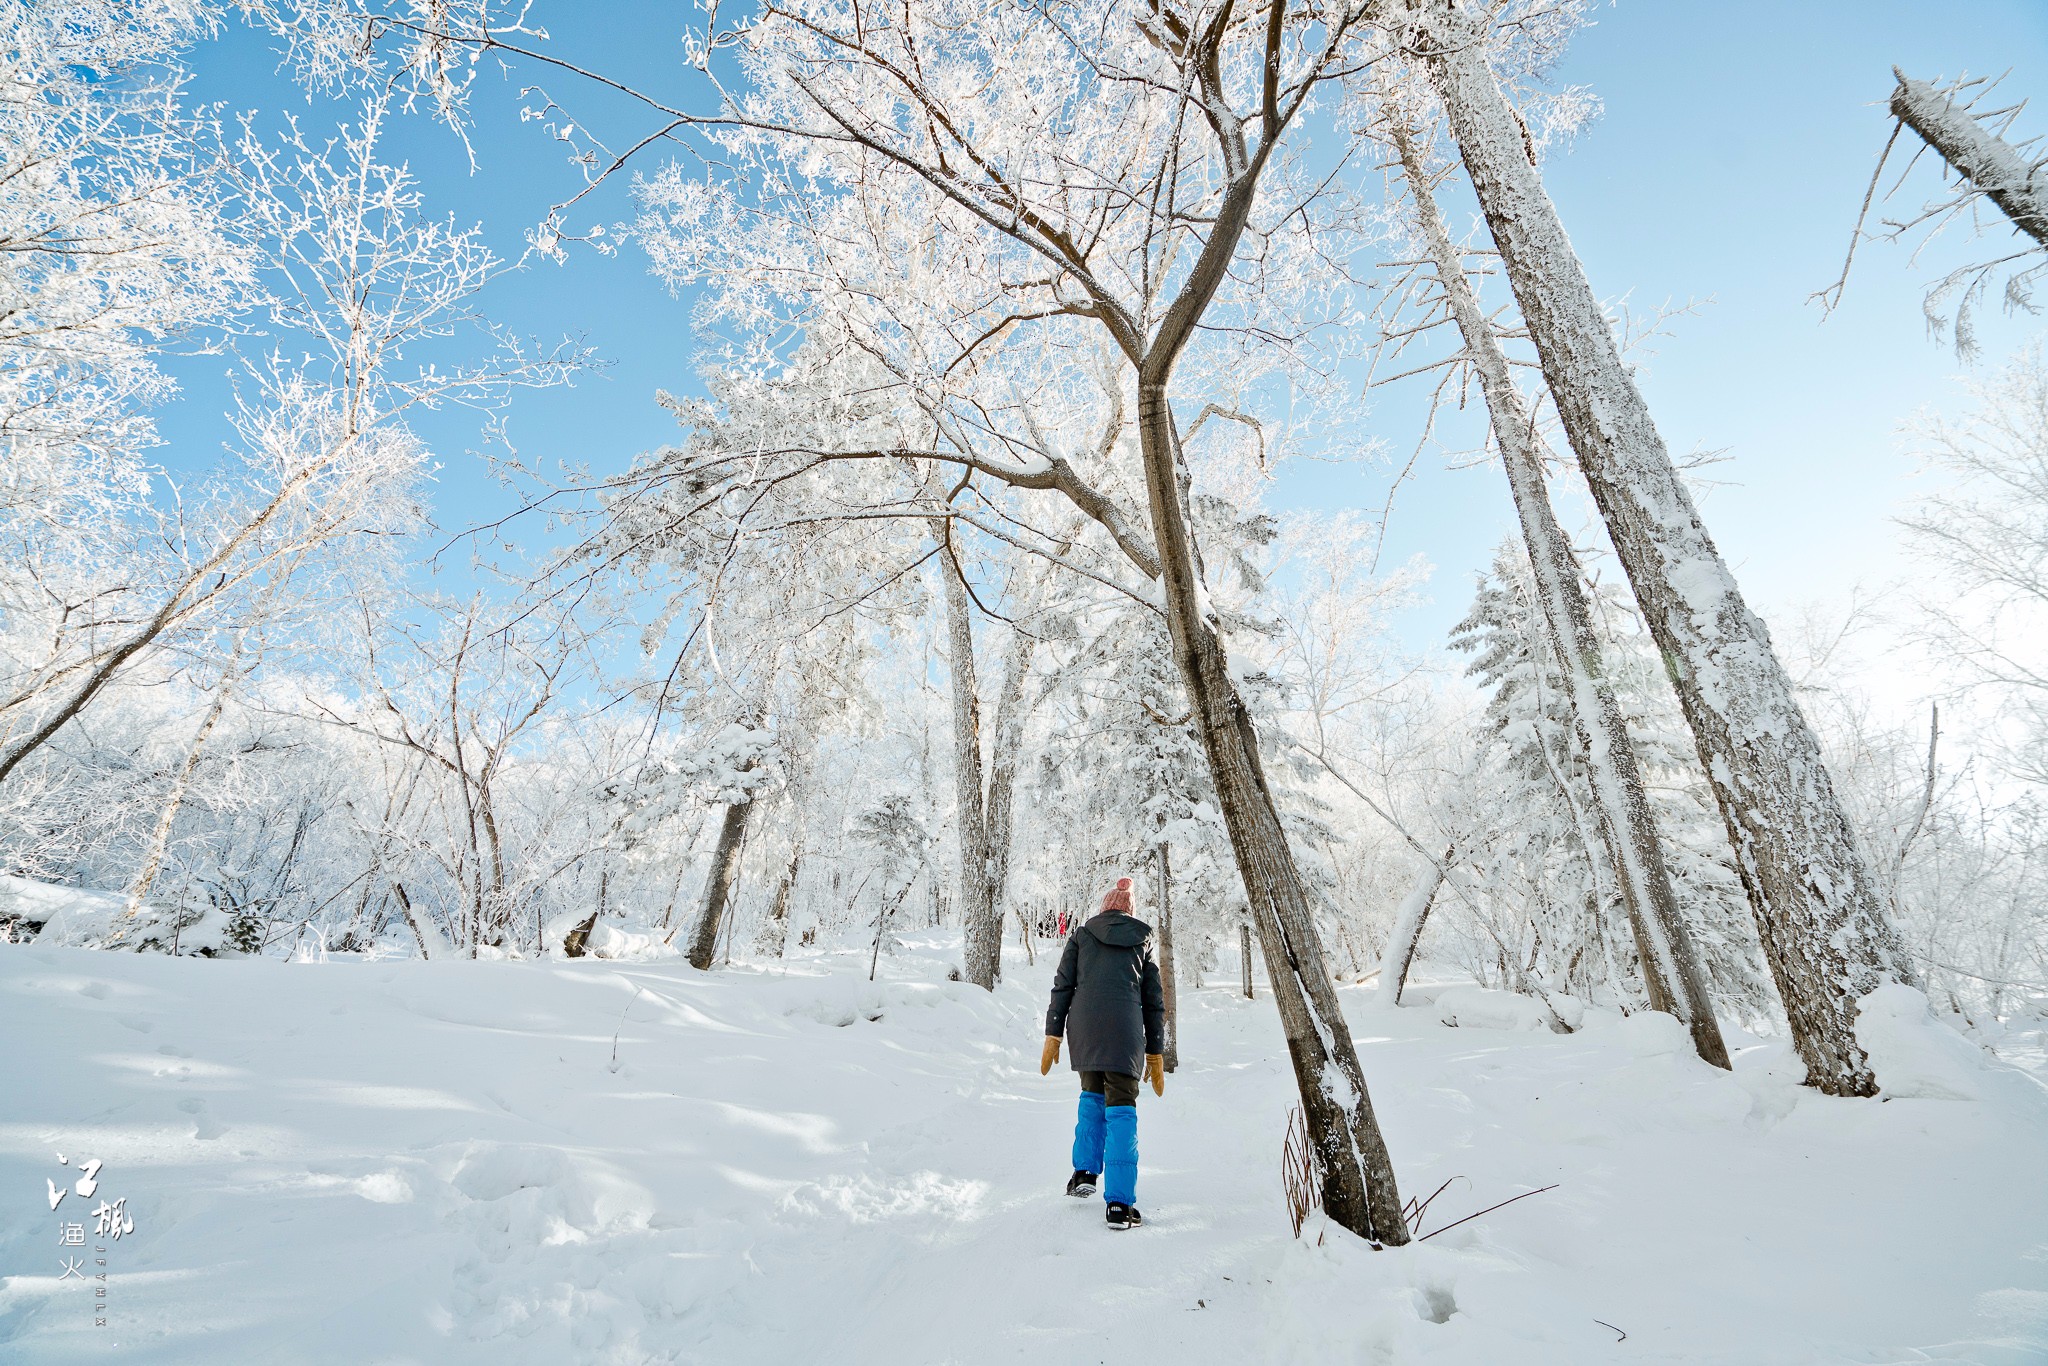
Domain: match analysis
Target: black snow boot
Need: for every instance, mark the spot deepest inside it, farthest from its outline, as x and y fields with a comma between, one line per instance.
x=1081, y=1184
x=1122, y=1216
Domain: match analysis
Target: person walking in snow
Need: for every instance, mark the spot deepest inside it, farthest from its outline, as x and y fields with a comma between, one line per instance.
x=1107, y=998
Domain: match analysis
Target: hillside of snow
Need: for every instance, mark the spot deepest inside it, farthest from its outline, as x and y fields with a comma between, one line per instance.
x=603, y=1162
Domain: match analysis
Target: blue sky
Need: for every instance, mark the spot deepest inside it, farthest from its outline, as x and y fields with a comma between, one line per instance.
x=1726, y=170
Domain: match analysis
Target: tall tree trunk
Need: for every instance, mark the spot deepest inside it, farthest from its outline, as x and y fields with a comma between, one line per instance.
x=1000, y=815
x=775, y=930
x=1359, y=1189
x=1818, y=910
x=981, y=923
x=1244, y=959
x=1409, y=919
x=2016, y=185
x=160, y=838
x=1626, y=826
x=1166, y=985
x=725, y=869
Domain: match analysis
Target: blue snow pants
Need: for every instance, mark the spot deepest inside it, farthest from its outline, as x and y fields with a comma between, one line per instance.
x=1106, y=1135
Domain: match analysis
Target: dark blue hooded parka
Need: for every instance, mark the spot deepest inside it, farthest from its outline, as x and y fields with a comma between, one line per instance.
x=1106, y=997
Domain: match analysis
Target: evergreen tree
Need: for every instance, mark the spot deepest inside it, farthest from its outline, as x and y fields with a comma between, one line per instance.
x=1551, y=917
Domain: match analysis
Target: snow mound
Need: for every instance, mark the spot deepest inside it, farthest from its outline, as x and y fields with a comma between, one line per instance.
x=1652, y=1034
x=72, y=917
x=609, y=941
x=1914, y=1054
x=1775, y=1078
x=1485, y=1008
x=59, y=915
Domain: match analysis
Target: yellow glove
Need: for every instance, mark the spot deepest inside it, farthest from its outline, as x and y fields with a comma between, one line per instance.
x=1050, y=1056
x=1155, y=1068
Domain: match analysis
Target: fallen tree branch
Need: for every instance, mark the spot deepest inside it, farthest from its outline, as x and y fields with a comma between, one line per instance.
x=1489, y=1209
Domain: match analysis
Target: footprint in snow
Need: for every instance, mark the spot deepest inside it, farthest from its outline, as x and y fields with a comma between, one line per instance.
x=204, y=1125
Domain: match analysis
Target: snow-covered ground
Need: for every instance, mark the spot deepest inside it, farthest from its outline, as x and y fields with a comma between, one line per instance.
x=612, y=1162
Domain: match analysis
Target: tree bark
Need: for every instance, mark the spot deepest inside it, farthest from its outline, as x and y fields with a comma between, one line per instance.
x=725, y=868
x=1987, y=161
x=980, y=922
x=577, y=941
x=1822, y=922
x=160, y=838
x=1000, y=814
x=419, y=935
x=1359, y=1190
x=775, y=934
x=1408, y=923
x=1166, y=961
x=1627, y=828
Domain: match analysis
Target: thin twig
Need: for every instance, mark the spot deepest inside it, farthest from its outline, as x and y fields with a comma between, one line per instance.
x=1489, y=1209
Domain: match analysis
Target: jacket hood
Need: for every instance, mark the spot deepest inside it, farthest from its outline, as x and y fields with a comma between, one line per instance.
x=1118, y=930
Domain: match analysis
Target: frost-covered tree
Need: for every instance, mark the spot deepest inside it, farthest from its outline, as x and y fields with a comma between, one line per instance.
x=1824, y=925
x=778, y=606
x=355, y=272
x=1985, y=533
x=115, y=221
x=1618, y=810
x=1547, y=897
x=1005, y=187
x=1974, y=148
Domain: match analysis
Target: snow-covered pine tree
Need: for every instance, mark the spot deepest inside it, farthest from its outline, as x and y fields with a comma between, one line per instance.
x=891, y=830
x=1119, y=772
x=1537, y=856
x=1547, y=910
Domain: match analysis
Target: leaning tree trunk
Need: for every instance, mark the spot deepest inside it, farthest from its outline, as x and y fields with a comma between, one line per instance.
x=1817, y=907
x=1166, y=985
x=725, y=870
x=160, y=838
x=2019, y=187
x=981, y=925
x=1596, y=837
x=1627, y=829
x=1359, y=1190
x=1409, y=919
